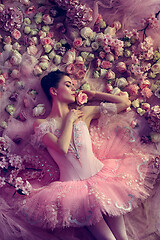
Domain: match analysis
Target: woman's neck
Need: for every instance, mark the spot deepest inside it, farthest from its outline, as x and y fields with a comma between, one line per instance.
x=59, y=110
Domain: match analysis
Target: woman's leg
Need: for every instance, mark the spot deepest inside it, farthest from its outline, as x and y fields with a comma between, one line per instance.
x=117, y=226
x=101, y=231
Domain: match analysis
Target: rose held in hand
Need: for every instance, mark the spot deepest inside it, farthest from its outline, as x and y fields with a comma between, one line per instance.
x=81, y=98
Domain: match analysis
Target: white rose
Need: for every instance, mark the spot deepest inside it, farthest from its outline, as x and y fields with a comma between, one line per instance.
x=39, y=110
x=86, y=32
x=156, y=68
x=99, y=38
x=16, y=58
x=116, y=91
x=121, y=82
x=37, y=70
x=69, y=57
x=135, y=103
x=110, y=30
x=8, y=47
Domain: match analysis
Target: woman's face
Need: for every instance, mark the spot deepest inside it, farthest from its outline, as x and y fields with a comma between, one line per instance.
x=66, y=90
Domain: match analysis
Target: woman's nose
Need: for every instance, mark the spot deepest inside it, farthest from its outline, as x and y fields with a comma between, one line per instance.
x=73, y=88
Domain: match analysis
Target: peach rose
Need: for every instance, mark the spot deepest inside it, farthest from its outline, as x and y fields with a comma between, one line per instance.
x=77, y=42
x=32, y=50
x=110, y=75
x=2, y=80
x=109, y=87
x=70, y=69
x=47, y=19
x=81, y=98
x=121, y=67
x=16, y=34
x=106, y=64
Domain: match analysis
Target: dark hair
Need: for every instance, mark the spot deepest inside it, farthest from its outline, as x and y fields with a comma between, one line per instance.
x=52, y=79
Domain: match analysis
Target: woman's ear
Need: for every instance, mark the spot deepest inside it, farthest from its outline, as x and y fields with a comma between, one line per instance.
x=53, y=91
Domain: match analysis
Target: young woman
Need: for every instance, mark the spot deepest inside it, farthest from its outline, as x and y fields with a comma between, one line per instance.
x=89, y=192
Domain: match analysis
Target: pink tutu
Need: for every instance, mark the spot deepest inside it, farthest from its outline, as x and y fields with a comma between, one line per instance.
x=126, y=178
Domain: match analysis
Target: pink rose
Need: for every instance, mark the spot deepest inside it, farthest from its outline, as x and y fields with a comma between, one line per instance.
x=30, y=10
x=25, y=2
x=7, y=40
x=110, y=75
x=70, y=69
x=145, y=106
x=47, y=19
x=102, y=54
x=16, y=34
x=50, y=34
x=109, y=87
x=47, y=41
x=80, y=74
x=132, y=89
x=5, y=75
x=32, y=50
x=106, y=64
x=15, y=74
x=42, y=34
x=2, y=80
x=16, y=58
x=81, y=98
x=133, y=123
x=145, y=83
x=121, y=67
x=146, y=92
x=116, y=25
x=77, y=42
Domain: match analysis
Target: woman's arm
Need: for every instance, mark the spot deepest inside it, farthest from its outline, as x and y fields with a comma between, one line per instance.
x=122, y=102
x=92, y=112
x=61, y=144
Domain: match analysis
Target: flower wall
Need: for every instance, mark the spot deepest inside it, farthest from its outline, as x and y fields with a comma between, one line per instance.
x=37, y=37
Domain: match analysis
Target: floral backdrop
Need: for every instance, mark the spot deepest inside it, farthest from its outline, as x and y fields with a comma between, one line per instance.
x=37, y=37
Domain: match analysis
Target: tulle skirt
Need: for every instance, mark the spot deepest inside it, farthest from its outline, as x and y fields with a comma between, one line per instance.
x=127, y=178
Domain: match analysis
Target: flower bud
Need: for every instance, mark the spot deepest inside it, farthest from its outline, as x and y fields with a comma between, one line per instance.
x=110, y=75
x=37, y=70
x=27, y=21
x=52, y=54
x=44, y=65
x=27, y=30
x=140, y=111
x=94, y=46
x=10, y=109
x=38, y=18
x=47, y=48
x=96, y=74
x=57, y=59
x=46, y=29
x=135, y=103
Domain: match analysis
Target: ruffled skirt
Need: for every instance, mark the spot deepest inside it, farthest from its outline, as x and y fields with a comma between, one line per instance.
x=126, y=179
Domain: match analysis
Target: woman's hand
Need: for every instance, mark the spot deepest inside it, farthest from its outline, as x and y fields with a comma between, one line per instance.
x=90, y=94
x=74, y=114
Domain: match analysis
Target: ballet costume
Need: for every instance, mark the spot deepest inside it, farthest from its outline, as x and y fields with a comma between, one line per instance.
x=110, y=178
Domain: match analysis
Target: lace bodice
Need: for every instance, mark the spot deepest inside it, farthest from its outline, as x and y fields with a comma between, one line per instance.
x=79, y=163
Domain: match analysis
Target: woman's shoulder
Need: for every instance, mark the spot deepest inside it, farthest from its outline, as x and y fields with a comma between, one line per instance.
x=38, y=122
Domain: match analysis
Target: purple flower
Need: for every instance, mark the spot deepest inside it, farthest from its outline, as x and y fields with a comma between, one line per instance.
x=154, y=118
x=80, y=15
x=11, y=18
